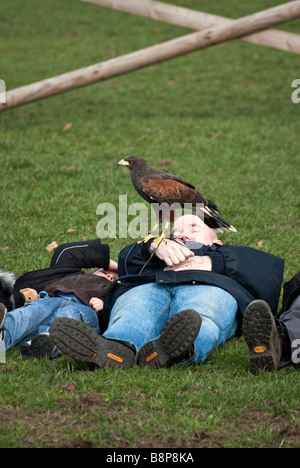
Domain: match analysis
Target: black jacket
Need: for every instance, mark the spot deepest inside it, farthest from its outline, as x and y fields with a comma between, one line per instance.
x=68, y=260
x=291, y=290
x=246, y=273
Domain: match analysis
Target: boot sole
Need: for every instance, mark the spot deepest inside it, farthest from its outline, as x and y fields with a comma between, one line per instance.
x=259, y=329
x=80, y=342
x=177, y=337
x=41, y=346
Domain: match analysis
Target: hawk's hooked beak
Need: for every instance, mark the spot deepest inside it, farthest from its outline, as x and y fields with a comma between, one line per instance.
x=123, y=163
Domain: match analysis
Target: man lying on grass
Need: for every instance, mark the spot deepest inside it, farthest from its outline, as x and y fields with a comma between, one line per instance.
x=64, y=291
x=270, y=341
x=176, y=303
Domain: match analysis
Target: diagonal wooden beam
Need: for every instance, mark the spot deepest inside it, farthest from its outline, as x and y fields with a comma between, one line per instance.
x=151, y=55
x=197, y=20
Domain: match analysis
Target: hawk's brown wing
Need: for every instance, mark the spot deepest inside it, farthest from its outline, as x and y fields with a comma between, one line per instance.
x=171, y=191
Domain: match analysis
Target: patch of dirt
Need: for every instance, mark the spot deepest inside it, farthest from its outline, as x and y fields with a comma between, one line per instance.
x=283, y=434
x=70, y=425
x=55, y=428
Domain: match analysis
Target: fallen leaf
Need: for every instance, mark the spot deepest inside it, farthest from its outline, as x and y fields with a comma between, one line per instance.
x=260, y=244
x=52, y=246
x=165, y=163
x=71, y=230
x=67, y=127
x=70, y=388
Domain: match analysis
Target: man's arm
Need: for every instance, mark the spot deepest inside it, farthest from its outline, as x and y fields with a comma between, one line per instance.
x=135, y=257
x=197, y=262
x=171, y=252
x=258, y=272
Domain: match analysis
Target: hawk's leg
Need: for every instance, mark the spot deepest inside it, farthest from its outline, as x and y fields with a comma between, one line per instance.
x=150, y=235
x=162, y=237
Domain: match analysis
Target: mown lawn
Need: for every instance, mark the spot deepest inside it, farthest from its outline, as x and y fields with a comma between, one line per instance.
x=223, y=118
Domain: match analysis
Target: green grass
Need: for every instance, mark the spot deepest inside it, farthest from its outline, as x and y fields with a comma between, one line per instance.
x=225, y=119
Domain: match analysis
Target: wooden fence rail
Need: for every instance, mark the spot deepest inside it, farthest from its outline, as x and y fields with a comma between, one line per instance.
x=151, y=55
x=198, y=20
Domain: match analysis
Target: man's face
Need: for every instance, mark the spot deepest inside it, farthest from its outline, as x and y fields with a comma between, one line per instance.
x=110, y=275
x=190, y=228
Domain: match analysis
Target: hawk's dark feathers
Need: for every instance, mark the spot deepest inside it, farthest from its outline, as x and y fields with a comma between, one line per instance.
x=156, y=186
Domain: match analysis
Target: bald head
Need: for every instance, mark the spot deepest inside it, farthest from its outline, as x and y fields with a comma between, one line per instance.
x=191, y=228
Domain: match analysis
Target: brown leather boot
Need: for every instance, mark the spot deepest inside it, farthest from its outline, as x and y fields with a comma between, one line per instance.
x=262, y=337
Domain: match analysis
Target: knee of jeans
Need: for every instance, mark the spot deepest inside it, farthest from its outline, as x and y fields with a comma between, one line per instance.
x=91, y=323
x=209, y=330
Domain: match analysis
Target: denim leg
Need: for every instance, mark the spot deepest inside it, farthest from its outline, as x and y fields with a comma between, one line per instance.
x=25, y=323
x=77, y=311
x=139, y=315
x=217, y=309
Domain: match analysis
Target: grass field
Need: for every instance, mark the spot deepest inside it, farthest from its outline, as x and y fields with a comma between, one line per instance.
x=225, y=119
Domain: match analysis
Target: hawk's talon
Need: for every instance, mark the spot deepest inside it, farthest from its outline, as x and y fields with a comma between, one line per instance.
x=159, y=240
x=146, y=239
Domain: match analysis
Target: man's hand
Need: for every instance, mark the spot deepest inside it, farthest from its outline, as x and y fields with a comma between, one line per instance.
x=172, y=253
x=195, y=263
x=96, y=304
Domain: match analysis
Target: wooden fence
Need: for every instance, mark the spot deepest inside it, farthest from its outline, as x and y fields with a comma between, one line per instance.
x=211, y=36
x=198, y=20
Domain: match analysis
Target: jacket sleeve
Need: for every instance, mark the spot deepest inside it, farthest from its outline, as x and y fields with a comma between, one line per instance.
x=135, y=257
x=259, y=272
x=84, y=254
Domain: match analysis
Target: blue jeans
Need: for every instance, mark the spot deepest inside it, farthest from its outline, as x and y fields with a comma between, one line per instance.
x=21, y=325
x=139, y=315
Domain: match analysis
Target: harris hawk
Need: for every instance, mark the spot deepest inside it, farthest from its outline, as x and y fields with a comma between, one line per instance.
x=158, y=187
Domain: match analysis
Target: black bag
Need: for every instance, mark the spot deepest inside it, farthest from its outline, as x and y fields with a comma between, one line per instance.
x=291, y=290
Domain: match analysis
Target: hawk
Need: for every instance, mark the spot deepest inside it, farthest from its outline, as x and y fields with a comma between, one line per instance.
x=158, y=187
